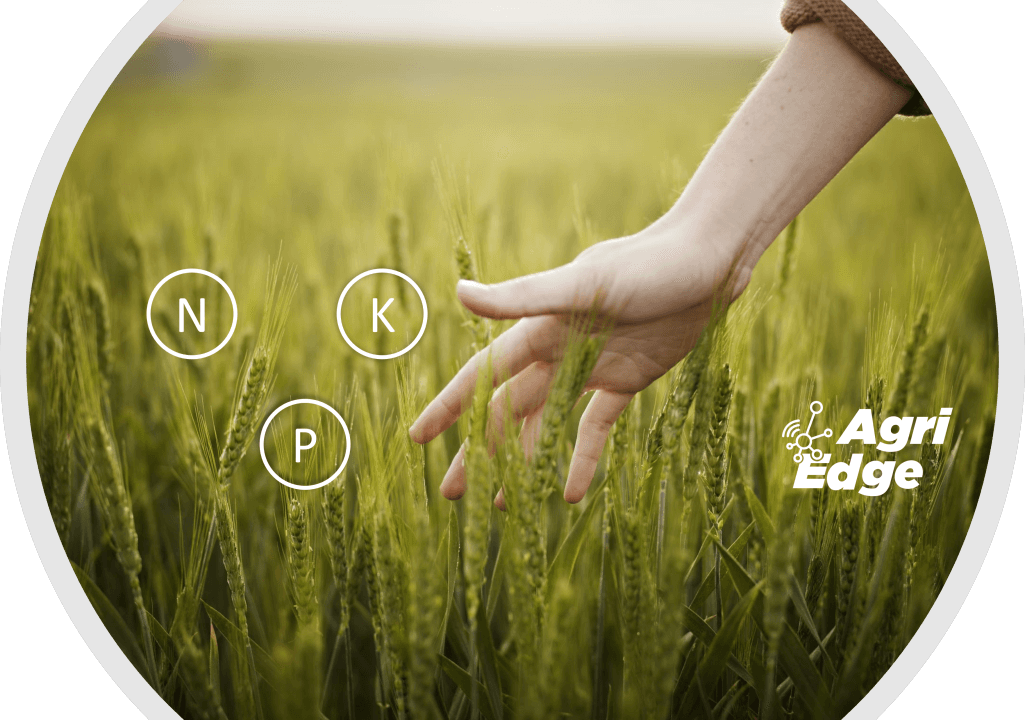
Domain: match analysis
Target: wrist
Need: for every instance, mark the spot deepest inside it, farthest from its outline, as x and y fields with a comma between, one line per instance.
x=735, y=239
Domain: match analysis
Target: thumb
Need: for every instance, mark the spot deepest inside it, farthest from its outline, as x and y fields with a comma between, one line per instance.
x=560, y=290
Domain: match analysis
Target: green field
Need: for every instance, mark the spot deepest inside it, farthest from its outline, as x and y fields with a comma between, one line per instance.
x=289, y=169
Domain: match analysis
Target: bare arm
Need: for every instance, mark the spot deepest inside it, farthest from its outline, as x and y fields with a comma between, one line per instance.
x=814, y=109
x=818, y=104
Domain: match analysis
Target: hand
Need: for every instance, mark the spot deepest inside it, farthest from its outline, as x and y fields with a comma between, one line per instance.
x=656, y=287
x=808, y=116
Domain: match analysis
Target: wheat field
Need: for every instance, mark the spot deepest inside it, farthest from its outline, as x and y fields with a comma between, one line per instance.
x=692, y=581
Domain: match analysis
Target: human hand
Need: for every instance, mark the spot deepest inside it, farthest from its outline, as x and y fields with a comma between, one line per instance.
x=808, y=116
x=656, y=290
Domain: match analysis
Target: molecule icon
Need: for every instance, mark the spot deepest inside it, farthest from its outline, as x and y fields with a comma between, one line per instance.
x=803, y=440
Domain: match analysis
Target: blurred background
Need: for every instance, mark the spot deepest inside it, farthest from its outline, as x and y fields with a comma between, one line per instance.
x=687, y=23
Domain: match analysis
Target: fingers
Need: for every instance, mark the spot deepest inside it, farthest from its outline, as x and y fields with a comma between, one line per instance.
x=514, y=400
x=529, y=434
x=595, y=423
x=453, y=485
x=560, y=290
x=529, y=394
x=519, y=346
x=517, y=398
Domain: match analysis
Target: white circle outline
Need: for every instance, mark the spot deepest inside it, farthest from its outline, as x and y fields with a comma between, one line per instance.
x=25, y=471
x=350, y=343
x=305, y=401
x=188, y=271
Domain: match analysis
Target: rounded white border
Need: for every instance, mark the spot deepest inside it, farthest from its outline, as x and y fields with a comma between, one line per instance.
x=1011, y=353
x=263, y=435
x=14, y=385
x=191, y=271
x=361, y=351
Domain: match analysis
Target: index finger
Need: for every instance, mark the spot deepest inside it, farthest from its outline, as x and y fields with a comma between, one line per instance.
x=528, y=341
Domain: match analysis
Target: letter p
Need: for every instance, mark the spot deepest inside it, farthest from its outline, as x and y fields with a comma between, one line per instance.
x=299, y=447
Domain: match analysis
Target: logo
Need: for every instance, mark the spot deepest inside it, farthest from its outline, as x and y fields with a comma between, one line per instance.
x=815, y=470
x=379, y=320
x=184, y=307
x=804, y=440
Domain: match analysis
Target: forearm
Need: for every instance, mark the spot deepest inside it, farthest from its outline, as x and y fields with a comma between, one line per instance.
x=818, y=104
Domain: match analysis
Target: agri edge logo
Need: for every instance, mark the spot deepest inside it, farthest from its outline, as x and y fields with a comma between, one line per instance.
x=815, y=471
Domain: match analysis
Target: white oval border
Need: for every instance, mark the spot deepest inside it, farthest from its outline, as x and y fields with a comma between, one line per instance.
x=191, y=271
x=14, y=385
x=354, y=346
x=305, y=401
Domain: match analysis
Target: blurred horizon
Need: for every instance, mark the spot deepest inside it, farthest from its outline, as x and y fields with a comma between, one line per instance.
x=700, y=24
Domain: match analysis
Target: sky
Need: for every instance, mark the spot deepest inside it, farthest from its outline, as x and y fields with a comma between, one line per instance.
x=701, y=23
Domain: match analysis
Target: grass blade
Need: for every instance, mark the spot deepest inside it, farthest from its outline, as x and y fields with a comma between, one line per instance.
x=112, y=620
x=795, y=661
x=720, y=650
x=265, y=664
x=465, y=683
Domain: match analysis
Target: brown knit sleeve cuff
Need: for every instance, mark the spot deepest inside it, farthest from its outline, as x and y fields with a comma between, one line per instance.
x=842, y=20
